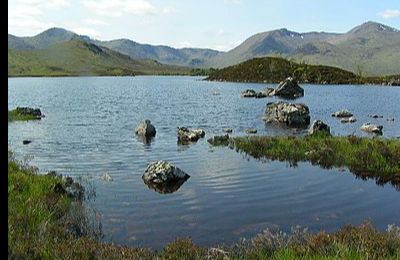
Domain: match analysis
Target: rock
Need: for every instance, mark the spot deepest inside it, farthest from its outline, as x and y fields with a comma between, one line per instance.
x=351, y=119
x=219, y=140
x=146, y=129
x=251, y=131
x=372, y=128
x=390, y=119
x=394, y=82
x=289, y=89
x=342, y=113
x=107, y=177
x=250, y=93
x=26, y=141
x=163, y=172
x=319, y=126
x=227, y=130
x=376, y=116
x=288, y=113
x=187, y=135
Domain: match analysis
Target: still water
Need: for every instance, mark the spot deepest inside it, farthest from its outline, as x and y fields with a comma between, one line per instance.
x=89, y=131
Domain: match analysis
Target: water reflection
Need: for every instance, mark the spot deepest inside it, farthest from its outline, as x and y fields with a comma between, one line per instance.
x=166, y=187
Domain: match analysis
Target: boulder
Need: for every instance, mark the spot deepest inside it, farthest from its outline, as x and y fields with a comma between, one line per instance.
x=290, y=114
x=248, y=93
x=106, y=177
x=351, y=119
x=289, y=89
x=251, y=93
x=187, y=135
x=146, y=129
x=26, y=141
x=318, y=126
x=163, y=172
x=372, y=128
x=342, y=113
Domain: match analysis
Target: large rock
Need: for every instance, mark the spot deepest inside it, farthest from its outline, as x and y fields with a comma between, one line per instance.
x=186, y=135
x=146, y=129
x=288, y=113
x=289, y=89
x=372, y=128
x=318, y=126
x=342, y=113
x=251, y=93
x=163, y=172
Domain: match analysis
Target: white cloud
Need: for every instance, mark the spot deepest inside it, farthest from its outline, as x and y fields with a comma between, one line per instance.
x=119, y=7
x=184, y=44
x=390, y=13
x=232, y=2
x=169, y=10
x=86, y=31
x=94, y=22
x=26, y=17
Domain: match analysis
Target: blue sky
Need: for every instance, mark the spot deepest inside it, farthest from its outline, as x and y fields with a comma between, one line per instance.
x=216, y=24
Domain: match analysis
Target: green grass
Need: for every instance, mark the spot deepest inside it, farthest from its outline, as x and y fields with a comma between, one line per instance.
x=375, y=158
x=41, y=220
x=79, y=58
x=14, y=115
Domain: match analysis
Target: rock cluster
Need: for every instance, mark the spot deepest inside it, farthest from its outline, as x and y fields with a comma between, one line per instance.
x=189, y=135
x=251, y=93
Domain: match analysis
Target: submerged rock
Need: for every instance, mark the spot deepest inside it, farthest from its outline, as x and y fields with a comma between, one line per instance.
x=289, y=89
x=186, y=135
x=351, y=119
x=372, y=128
x=251, y=131
x=146, y=129
x=288, y=113
x=164, y=177
x=342, y=113
x=26, y=141
x=251, y=93
x=318, y=126
x=227, y=130
x=106, y=177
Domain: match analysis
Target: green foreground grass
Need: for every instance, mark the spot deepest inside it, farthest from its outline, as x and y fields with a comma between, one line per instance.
x=375, y=158
x=43, y=220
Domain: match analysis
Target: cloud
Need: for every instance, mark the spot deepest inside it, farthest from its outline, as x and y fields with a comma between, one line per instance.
x=232, y=2
x=120, y=7
x=169, y=10
x=94, y=22
x=390, y=13
x=86, y=31
x=55, y=4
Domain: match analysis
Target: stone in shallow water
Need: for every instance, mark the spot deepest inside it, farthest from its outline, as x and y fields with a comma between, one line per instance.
x=291, y=114
x=372, y=128
x=319, y=126
x=288, y=89
x=146, y=129
x=186, y=135
x=342, y=113
x=164, y=177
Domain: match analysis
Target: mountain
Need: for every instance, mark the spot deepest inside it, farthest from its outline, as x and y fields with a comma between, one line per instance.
x=78, y=57
x=270, y=43
x=368, y=49
x=193, y=57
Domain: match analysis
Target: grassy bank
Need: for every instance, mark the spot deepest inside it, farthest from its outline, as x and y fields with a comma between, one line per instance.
x=46, y=220
x=375, y=158
x=15, y=115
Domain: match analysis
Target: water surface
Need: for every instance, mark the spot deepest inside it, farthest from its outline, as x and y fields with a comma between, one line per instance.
x=89, y=130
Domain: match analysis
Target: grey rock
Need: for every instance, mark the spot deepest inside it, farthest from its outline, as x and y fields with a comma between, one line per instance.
x=372, y=128
x=251, y=93
x=290, y=114
x=106, y=177
x=319, y=126
x=289, y=89
x=146, y=129
x=342, y=113
x=163, y=172
x=187, y=135
x=351, y=119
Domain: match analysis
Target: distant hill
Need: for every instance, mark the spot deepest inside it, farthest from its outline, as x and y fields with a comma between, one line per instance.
x=369, y=49
x=193, y=57
x=78, y=57
x=274, y=70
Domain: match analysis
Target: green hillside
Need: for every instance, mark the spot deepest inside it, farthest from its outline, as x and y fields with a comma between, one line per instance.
x=274, y=70
x=79, y=58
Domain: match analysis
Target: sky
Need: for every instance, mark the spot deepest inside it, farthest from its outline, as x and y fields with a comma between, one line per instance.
x=215, y=24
